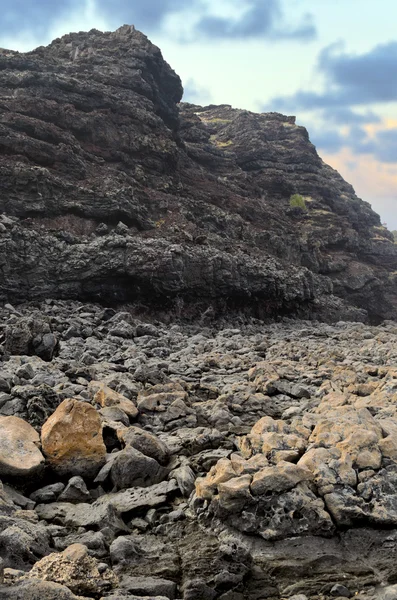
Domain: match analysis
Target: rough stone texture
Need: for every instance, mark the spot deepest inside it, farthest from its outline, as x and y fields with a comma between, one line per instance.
x=182, y=207
x=72, y=439
x=20, y=455
x=31, y=335
x=37, y=590
x=107, y=397
x=75, y=569
x=131, y=468
x=278, y=444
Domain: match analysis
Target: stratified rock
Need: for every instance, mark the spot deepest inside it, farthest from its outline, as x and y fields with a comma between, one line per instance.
x=75, y=569
x=20, y=456
x=138, y=199
x=72, y=439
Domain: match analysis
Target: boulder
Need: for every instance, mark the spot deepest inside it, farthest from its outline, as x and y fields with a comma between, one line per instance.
x=75, y=569
x=29, y=335
x=149, y=586
x=23, y=540
x=72, y=439
x=278, y=478
x=20, y=456
x=75, y=491
x=35, y=589
x=147, y=443
x=131, y=468
x=106, y=397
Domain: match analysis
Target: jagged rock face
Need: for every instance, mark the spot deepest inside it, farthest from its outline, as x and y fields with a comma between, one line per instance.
x=110, y=191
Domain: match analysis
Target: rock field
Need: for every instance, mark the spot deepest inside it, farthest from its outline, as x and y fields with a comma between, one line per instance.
x=228, y=459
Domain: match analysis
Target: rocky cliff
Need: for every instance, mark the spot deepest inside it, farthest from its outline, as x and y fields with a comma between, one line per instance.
x=111, y=191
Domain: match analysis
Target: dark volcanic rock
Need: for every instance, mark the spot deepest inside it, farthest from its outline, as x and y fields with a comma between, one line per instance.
x=109, y=192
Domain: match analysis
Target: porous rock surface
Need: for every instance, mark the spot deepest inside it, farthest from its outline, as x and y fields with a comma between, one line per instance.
x=111, y=191
x=260, y=460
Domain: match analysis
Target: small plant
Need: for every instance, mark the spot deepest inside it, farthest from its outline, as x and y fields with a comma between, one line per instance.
x=297, y=201
x=220, y=144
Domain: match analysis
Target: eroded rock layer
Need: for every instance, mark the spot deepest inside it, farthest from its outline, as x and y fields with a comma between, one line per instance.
x=111, y=191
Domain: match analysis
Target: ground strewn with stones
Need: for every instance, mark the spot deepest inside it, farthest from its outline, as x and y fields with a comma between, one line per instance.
x=228, y=459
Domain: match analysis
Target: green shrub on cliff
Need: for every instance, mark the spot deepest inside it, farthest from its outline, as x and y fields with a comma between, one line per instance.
x=297, y=201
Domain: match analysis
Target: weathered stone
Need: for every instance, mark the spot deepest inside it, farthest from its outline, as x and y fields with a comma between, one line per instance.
x=107, y=508
x=145, y=442
x=235, y=493
x=75, y=491
x=49, y=493
x=131, y=468
x=20, y=456
x=34, y=589
x=107, y=397
x=149, y=586
x=279, y=478
x=72, y=439
x=329, y=468
x=223, y=471
x=185, y=478
x=23, y=541
x=77, y=570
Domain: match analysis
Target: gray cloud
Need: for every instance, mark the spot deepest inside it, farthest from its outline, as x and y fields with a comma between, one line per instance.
x=19, y=15
x=145, y=14
x=382, y=145
x=261, y=19
x=342, y=115
x=329, y=140
x=195, y=94
x=352, y=80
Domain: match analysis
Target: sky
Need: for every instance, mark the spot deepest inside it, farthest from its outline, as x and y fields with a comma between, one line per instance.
x=331, y=63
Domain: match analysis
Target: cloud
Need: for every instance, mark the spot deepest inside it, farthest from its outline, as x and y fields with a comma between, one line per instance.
x=372, y=180
x=24, y=14
x=144, y=14
x=365, y=77
x=342, y=115
x=379, y=141
x=261, y=19
x=384, y=145
x=350, y=80
x=38, y=18
x=329, y=140
x=195, y=94
x=47, y=22
x=198, y=19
